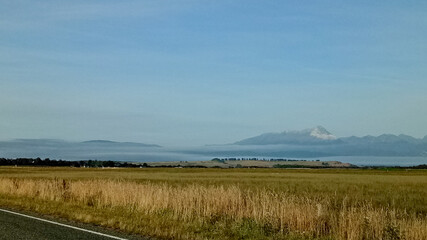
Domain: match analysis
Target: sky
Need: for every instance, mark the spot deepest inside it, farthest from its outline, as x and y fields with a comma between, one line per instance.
x=185, y=73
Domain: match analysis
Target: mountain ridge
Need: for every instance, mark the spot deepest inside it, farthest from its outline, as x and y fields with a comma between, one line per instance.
x=316, y=135
x=109, y=142
x=320, y=135
x=306, y=144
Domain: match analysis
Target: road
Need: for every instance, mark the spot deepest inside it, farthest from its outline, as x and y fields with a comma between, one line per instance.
x=17, y=226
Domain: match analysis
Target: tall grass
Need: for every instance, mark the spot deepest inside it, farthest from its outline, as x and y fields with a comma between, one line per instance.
x=273, y=214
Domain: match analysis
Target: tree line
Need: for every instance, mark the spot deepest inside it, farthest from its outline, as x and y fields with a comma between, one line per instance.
x=62, y=163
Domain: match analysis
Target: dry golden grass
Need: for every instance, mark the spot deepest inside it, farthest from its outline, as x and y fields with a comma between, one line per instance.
x=205, y=211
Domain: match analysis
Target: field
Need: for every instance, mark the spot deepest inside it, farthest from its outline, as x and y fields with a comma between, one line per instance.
x=182, y=203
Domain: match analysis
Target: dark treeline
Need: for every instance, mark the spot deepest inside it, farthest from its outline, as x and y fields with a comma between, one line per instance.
x=422, y=166
x=62, y=163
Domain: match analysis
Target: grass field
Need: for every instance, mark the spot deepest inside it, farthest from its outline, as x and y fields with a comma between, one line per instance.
x=228, y=203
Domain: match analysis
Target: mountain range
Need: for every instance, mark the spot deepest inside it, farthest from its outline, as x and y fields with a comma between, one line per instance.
x=317, y=135
x=318, y=141
x=308, y=143
x=93, y=149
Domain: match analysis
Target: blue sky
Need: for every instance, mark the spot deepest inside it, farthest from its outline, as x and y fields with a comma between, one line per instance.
x=205, y=72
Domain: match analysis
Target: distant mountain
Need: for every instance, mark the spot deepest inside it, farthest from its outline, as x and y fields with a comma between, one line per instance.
x=63, y=143
x=93, y=149
x=100, y=141
x=318, y=142
x=308, y=143
x=317, y=135
x=113, y=143
x=384, y=138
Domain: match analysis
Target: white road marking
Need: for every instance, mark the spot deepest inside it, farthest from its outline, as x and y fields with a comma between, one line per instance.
x=63, y=225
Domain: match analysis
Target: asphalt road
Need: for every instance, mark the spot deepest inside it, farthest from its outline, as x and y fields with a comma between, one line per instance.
x=17, y=227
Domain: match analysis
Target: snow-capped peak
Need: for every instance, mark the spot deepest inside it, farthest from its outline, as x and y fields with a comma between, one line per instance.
x=321, y=133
